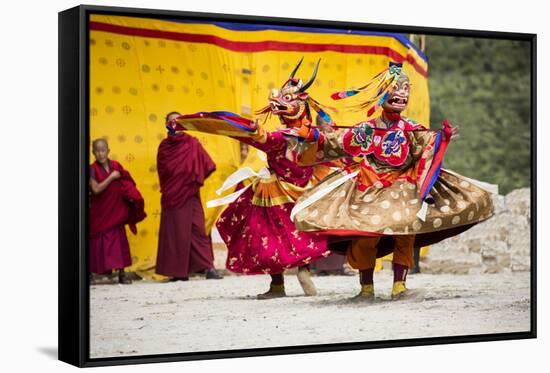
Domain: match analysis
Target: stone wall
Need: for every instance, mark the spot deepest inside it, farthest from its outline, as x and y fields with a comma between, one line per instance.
x=500, y=244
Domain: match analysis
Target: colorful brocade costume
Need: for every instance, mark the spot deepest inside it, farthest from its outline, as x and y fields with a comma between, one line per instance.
x=398, y=197
x=386, y=193
x=256, y=227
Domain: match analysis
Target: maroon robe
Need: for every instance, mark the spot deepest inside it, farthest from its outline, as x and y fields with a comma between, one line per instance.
x=118, y=204
x=184, y=247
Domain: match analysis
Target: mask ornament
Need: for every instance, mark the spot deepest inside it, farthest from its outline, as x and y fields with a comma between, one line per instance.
x=292, y=104
x=389, y=89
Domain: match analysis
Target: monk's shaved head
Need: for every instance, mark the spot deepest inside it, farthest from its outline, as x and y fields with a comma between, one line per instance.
x=96, y=143
x=100, y=148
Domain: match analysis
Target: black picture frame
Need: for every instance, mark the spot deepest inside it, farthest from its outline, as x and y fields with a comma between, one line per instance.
x=73, y=186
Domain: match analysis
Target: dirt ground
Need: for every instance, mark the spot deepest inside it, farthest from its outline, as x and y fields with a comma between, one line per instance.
x=206, y=315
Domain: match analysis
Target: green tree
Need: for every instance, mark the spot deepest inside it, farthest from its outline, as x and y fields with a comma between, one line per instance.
x=483, y=85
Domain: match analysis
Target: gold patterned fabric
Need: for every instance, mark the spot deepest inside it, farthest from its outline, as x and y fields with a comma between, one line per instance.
x=392, y=210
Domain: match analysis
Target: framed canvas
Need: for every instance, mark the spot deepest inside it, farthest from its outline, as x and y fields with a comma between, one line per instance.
x=235, y=186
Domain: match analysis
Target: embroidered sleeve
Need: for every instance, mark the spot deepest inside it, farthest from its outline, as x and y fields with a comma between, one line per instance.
x=264, y=140
x=321, y=148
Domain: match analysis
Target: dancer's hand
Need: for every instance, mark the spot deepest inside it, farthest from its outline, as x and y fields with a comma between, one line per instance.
x=302, y=133
x=455, y=132
x=448, y=131
x=256, y=124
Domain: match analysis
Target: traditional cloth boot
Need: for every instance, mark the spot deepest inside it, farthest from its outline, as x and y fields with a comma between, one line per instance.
x=399, y=277
x=398, y=290
x=275, y=291
x=123, y=278
x=366, y=294
x=367, y=286
x=304, y=277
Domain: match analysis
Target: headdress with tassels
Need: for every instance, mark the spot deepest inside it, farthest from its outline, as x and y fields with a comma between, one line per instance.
x=297, y=86
x=378, y=87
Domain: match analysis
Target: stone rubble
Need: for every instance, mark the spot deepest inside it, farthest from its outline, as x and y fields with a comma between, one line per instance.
x=500, y=244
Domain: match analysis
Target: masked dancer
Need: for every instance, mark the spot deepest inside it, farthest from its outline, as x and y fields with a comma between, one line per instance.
x=398, y=197
x=256, y=225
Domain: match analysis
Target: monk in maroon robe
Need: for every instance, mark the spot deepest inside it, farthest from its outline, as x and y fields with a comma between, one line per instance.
x=184, y=247
x=114, y=202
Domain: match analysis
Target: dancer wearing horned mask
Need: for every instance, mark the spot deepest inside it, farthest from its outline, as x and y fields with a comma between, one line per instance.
x=256, y=225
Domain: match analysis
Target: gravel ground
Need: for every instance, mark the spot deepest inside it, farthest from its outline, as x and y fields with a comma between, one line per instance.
x=206, y=315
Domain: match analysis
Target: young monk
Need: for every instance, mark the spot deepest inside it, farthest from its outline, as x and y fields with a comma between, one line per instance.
x=114, y=202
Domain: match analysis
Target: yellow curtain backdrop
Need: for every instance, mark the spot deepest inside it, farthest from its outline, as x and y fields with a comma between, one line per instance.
x=141, y=69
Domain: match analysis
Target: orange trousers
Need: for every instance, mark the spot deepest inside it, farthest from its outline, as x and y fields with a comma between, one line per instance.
x=362, y=254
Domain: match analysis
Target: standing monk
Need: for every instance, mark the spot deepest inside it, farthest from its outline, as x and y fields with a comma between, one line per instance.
x=184, y=247
x=114, y=202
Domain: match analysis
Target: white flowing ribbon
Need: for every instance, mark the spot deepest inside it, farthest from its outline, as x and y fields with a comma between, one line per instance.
x=261, y=155
x=227, y=199
x=320, y=193
x=421, y=214
x=240, y=175
x=234, y=179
